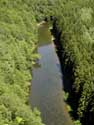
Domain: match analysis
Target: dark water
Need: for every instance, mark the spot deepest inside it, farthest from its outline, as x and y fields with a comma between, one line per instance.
x=46, y=90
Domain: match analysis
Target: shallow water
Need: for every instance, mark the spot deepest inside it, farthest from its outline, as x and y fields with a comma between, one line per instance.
x=46, y=89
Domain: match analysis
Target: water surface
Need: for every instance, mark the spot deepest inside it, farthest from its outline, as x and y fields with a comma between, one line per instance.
x=46, y=89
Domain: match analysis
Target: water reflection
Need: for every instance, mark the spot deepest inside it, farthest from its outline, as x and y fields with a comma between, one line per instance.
x=46, y=90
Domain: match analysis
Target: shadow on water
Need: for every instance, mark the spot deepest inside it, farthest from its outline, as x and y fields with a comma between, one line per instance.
x=46, y=89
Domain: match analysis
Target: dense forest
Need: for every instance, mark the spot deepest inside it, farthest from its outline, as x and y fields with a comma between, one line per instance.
x=73, y=28
x=75, y=22
x=18, y=38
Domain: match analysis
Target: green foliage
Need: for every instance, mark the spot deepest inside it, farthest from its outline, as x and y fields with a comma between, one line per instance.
x=74, y=19
x=18, y=38
x=65, y=95
x=77, y=122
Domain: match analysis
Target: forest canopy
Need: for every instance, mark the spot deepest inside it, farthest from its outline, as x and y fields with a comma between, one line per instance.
x=18, y=38
x=74, y=21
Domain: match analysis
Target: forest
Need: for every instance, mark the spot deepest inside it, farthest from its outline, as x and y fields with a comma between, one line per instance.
x=73, y=27
x=18, y=38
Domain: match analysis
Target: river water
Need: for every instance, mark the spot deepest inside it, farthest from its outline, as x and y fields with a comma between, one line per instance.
x=46, y=89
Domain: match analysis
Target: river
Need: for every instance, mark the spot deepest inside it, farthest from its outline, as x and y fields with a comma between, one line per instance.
x=46, y=89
